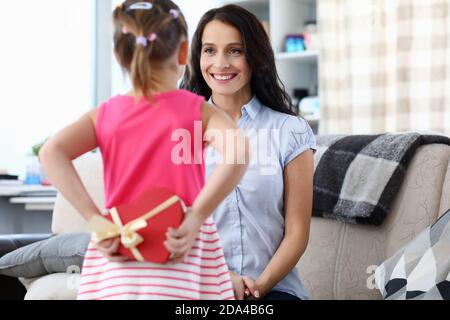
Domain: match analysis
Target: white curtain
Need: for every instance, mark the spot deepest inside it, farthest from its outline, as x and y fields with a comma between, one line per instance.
x=385, y=66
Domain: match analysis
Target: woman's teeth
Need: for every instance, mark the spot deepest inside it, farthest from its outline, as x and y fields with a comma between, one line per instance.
x=223, y=78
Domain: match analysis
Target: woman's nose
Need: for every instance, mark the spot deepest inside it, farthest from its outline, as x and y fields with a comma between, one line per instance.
x=222, y=62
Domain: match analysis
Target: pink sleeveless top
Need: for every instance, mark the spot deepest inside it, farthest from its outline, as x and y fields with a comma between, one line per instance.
x=142, y=145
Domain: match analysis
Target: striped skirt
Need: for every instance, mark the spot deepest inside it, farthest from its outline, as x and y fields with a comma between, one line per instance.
x=203, y=276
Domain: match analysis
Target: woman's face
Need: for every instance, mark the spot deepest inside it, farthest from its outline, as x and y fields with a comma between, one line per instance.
x=223, y=62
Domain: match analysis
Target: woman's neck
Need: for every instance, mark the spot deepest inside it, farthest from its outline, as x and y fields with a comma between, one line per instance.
x=232, y=104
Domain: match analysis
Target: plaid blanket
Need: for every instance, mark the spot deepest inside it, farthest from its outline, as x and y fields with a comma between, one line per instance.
x=357, y=177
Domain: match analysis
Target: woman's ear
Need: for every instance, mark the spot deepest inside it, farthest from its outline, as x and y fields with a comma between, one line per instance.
x=184, y=52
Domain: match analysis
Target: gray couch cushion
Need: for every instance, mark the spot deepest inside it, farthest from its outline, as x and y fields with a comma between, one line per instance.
x=53, y=255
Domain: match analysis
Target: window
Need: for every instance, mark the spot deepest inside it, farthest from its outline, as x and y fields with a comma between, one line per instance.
x=56, y=63
x=47, y=72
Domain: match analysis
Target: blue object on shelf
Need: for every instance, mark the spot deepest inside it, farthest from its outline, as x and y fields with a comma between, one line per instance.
x=33, y=172
x=295, y=43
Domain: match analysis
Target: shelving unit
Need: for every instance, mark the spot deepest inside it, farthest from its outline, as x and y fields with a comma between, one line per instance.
x=283, y=17
x=300, y=57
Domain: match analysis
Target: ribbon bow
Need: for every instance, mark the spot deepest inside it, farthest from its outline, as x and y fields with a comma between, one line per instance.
x=103, y=229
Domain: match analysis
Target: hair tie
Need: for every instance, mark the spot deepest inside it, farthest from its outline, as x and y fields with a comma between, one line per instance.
x=152, y=37
x=140, y=6
x=142, y=41
x=125, y=30
x=175, y=13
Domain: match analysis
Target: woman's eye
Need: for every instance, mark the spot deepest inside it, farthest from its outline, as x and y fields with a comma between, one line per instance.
x=235, y=52
x=208, y=51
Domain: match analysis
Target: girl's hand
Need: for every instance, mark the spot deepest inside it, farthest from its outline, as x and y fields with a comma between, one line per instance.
x=238, y=286
x=180, y=241
x=109, y=249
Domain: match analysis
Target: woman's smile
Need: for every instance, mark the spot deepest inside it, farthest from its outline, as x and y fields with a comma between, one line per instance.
x=223, y=78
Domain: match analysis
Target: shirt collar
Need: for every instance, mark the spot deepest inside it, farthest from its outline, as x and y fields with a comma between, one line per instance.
x=252, y=108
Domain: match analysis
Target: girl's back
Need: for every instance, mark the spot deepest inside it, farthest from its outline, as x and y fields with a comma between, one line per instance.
x=142, y=144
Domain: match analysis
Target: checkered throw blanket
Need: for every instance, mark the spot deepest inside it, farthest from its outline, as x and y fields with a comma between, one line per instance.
x=421, y=269
x=357, y=177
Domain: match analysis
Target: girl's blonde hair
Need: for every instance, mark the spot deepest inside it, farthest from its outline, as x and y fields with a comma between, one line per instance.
x=146, y=33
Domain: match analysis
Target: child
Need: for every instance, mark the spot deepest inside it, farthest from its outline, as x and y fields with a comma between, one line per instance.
x=134, y=134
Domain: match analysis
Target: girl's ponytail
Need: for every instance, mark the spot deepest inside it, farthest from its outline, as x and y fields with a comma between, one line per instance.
x=140, y=69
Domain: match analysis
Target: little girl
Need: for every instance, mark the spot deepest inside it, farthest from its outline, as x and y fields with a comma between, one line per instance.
x=135, y=135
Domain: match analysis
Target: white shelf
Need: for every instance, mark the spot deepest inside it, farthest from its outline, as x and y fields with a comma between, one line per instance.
x=35, y=203
x=9, y=191
x=305, y=56
x=311, y=119
x=33, y=200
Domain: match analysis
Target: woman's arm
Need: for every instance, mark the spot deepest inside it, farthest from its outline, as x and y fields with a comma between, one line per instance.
x=298, y=183
x=56, y=157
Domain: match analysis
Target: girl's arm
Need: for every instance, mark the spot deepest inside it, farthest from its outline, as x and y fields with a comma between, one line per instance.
x=298, y=183
x=56, y=158
x=223, y=135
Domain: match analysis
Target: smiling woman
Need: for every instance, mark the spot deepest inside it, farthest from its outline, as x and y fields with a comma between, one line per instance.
x=42, y=43
x=223, y=61
x=264, y=223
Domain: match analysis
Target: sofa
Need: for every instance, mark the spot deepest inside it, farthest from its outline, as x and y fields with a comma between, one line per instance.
x=340, y=260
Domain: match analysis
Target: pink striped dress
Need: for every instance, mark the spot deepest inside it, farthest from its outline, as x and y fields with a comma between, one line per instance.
x=137, y=141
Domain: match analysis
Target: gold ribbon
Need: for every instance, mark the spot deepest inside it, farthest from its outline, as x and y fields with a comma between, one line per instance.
x=103, y=229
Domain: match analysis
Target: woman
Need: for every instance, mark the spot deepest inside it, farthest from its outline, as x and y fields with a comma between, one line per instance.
x=264, y=224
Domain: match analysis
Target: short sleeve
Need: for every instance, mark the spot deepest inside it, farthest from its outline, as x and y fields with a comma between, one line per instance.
x=296, y=138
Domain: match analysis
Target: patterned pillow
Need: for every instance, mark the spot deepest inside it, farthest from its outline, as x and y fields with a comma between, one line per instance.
x=421, y=269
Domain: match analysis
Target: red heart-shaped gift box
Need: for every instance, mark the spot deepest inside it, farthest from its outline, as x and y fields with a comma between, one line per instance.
x=152, y=248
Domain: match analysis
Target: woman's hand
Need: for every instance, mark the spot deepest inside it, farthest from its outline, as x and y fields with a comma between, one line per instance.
x=180, y=241
x=109, y=249
x=244, y=287
x=252, y=290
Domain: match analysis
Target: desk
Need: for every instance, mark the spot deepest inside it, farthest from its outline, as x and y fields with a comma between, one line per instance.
x=35, y=203
x=26, y=209
x=18, y=190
